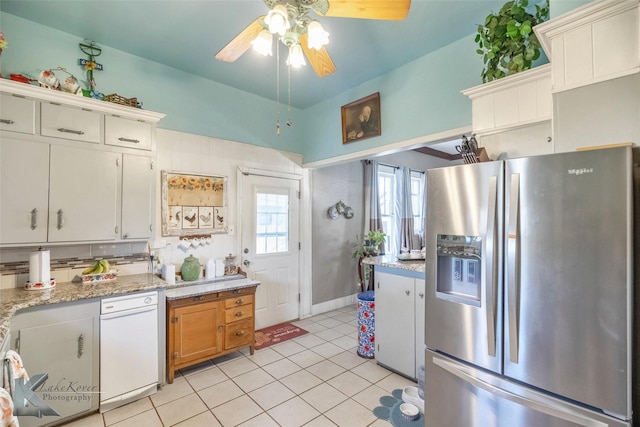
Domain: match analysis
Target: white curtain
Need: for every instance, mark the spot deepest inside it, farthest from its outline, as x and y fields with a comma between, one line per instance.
x=372, y=219
x=404, y=210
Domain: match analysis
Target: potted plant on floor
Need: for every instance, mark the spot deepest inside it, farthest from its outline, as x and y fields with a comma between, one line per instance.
x=367, y=245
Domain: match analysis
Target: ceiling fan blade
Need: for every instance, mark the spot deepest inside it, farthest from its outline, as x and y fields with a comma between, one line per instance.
x=392, y=10
x=241, y=43
x=320, y=60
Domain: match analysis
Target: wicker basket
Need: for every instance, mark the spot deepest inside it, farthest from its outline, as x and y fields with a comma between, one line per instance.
x=117, y=99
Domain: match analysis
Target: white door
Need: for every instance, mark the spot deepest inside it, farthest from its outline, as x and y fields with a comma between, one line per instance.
x=270, y=246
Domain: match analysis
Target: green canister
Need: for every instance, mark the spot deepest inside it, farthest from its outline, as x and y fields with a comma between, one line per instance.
x=190, y=269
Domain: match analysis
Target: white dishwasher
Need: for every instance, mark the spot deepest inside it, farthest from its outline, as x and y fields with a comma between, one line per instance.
x=128, y=348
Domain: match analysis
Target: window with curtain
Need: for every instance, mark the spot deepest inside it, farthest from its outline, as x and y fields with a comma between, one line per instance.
x=389, y=198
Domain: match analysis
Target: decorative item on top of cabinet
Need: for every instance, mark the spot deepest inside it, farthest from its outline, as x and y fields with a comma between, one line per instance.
x=205, y=326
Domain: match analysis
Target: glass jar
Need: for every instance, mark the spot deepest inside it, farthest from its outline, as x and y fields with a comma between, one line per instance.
x=190, y=269
x=230, y=267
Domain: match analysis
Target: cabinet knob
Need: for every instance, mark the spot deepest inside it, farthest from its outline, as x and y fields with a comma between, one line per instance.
x=239, y=301
x=240, y=333
x=407, y=292
x=219, y=328
x=200, y=298
x=421, y=295
x=239, y=313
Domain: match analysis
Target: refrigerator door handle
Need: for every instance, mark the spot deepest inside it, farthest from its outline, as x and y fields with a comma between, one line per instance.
x=537, y=403
x=513, y=267
x=490, y=278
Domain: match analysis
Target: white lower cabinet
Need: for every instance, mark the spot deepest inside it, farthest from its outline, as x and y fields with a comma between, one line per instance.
x=399, y=321
x=60, y=341
x=83, y=192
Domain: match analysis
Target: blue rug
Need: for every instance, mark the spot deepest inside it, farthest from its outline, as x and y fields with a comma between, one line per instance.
x=390, y=411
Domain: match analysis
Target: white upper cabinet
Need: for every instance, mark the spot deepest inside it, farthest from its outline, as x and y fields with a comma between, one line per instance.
x=127, y=133
x=596, y=42
x=137, y=197
x=65, y=122
x=17, y=114
x=24, y=191
x=517, y=100
x=83, y=194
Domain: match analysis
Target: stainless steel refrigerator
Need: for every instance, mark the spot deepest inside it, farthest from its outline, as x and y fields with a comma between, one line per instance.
x=529, y=292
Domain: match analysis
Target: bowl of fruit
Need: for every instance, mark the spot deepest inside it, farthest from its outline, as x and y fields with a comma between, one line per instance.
x=100, y=272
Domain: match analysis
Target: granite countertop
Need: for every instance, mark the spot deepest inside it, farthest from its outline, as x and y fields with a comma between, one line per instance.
x=392, y=261
x=12, y=300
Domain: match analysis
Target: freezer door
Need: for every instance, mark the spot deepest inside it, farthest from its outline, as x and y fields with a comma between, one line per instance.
x=568, y=276
x=458, y=395
x=463, y=263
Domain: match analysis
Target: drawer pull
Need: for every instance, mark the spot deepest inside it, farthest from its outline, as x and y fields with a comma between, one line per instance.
x=240, y=333
x=236, y=291
x=219, y=328
x=65, y=130
x=239, y=301
x=123, y=139
x=7, y=122
x=200, y=298
x=239, y=313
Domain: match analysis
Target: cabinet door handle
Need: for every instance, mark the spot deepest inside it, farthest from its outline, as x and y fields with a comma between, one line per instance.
x=239, y=301
x=407, y=292
x=80, y=345
x=240, y=333
x=219, y=328
x=65, y=130
x=239, y=313
x=59, y=224
x=7, y=122
x=123, y=139
x=421, y=295
x=34, y=218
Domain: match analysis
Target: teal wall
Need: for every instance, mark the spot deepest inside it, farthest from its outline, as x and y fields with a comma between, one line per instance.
x=417, y=99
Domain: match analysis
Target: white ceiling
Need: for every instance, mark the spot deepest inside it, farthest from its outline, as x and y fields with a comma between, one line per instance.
x=186, y=34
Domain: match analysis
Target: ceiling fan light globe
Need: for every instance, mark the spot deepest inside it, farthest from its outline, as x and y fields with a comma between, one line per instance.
x=317, y=36
x=262, y=44
x=296, y=57
x=278, y=20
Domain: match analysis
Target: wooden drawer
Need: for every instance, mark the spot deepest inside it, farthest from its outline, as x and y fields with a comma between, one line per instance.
x=238, y=313
x=238, y=292
x=127, y=133
x=239, y=334
x=17, y=114
x=77, y=124
x=238, y=301
x=193, y=300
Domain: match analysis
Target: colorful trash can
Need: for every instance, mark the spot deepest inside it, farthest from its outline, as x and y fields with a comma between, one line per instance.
x=366, y=324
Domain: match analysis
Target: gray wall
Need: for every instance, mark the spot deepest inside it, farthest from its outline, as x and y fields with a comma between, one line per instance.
x=334, y=271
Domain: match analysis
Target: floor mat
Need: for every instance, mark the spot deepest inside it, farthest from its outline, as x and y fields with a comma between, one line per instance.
x=390, y=411
x=276, y=334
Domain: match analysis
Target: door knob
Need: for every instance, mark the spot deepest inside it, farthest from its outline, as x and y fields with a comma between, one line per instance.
x=246, y=250
x=246, y=262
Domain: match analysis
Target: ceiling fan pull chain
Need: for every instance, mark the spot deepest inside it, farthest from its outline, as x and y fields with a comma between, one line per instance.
x=278, y=88
x=289, y=122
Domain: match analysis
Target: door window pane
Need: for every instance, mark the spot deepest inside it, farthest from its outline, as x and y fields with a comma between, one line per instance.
x=272, y=223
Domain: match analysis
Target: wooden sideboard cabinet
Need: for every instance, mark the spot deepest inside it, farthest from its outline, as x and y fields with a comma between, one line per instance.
x=205, y=326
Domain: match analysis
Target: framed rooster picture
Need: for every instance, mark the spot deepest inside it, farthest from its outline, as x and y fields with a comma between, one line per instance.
x=193, y=204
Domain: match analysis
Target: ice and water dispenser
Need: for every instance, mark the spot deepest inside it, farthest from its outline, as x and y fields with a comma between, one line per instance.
x=458, y=270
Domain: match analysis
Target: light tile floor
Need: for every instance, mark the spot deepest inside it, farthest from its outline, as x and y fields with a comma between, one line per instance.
x=316, y=380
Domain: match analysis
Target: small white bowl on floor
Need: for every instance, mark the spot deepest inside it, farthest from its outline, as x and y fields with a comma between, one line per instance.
x=410, y=395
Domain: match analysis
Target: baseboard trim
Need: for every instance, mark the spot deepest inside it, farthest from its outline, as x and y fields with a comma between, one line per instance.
x=335, y=304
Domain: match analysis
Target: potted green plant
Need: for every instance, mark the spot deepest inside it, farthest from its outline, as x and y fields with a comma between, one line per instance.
x=366, y=246
x=507, y=42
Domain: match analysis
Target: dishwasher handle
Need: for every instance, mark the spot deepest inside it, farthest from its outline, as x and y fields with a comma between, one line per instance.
x=128, y=312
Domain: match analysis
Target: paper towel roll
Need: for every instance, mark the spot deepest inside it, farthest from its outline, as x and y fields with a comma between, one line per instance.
x=40, y=267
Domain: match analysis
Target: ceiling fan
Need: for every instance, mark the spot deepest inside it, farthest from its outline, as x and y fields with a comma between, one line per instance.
x=290, y=21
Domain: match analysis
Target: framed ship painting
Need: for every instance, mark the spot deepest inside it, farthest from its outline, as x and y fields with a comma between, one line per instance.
x=193, y=204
